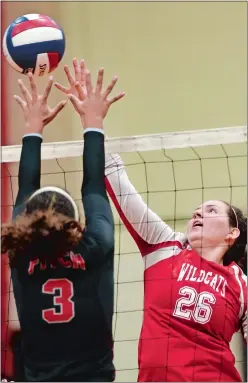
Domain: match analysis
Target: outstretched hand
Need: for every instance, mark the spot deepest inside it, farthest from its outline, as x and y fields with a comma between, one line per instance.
x=37, y=113
x=79, y=77
x=93, y=104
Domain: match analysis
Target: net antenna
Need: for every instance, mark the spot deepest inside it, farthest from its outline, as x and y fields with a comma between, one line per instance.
x=173, y=140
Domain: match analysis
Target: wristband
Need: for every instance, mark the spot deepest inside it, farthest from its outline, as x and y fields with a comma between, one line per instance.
x=94, y=130
x=32, y=134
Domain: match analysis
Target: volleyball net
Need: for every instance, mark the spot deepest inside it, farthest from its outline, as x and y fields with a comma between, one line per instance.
x=174, y=173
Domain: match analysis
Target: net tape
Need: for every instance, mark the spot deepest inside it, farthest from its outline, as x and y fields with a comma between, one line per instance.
x=173, y=140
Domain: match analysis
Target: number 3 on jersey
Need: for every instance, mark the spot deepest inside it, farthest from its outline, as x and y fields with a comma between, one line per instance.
x=62, y=301
x=201, y=309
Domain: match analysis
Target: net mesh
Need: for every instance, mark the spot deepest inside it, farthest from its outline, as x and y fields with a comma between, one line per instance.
x=173, y=173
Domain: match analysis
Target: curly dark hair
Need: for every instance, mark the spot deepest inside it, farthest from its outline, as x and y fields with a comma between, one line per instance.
x=238, y=251
x=46, y=230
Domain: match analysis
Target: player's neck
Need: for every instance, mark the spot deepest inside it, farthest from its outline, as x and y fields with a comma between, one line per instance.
x=213, y=254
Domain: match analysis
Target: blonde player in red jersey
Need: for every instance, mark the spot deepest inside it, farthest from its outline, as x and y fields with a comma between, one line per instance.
x=195, y=295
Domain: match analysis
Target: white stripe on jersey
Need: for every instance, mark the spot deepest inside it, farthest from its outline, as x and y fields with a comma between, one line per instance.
x=244, y=277
x=244, y=319
x=160, y=254
x=241, y=297
x=244, y=325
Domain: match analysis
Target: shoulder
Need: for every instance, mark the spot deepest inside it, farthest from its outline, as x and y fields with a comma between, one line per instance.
x=238, y=273
x=165, y=250
x=241, y=281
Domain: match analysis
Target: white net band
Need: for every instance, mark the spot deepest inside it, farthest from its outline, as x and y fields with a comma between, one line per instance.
x=174, y=140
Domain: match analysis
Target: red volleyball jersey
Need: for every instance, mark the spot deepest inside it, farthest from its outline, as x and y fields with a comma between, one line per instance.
x=192, y=307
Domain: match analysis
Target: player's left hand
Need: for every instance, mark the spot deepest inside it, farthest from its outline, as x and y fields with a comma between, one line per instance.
x=79, y=78
x=37, y=113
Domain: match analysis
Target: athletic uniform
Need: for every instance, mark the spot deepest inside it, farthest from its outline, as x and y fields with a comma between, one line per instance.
x=65, y=310
x=192, y=306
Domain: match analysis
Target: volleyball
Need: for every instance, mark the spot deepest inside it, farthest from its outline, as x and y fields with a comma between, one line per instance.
x=34, y=43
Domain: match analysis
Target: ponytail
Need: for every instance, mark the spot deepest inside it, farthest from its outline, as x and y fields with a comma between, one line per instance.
x=46, y=235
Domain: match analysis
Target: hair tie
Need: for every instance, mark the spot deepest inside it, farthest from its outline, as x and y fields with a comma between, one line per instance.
x=234, y=212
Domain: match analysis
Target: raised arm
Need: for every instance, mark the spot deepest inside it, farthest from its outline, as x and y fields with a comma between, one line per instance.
x=147, y=229
x=92, y=106
x=29, y=171
x=37, y=115
x=98, y=240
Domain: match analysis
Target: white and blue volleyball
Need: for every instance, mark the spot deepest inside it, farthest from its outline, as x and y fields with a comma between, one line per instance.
x=34, y=43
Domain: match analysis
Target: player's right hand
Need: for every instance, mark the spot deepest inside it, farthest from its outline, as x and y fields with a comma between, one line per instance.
x=93, y=104
x=36, y=111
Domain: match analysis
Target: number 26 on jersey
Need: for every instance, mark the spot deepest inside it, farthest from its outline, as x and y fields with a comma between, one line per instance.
x=197, y=306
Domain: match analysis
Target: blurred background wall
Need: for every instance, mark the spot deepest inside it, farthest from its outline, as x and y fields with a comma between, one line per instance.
x=182, y=65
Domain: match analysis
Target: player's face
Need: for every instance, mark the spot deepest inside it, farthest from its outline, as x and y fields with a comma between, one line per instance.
x=209, y=225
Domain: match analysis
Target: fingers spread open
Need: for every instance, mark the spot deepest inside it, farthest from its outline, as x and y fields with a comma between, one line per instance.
x=116, y=98
x=33, y=87
x=75, y=102
x=25, y=92
x=58, y=108
x=77, y=70
x=61, y=87
x=99, y=81
x=89, y=83
x=21, y=102
x=82, y=70
x=47, y=90
x=69, y=75
x=80, y=91
x=110, y=87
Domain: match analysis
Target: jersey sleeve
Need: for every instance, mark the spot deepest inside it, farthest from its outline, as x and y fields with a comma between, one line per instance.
x=29, y=171
x=241, y=279
x=147, y=229
x=28, y=183
x=97, y=244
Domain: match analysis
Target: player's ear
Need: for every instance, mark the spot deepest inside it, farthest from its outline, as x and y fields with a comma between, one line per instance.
x=232, y=236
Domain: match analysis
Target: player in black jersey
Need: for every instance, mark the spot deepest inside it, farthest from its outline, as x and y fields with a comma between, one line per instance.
x=62, y=273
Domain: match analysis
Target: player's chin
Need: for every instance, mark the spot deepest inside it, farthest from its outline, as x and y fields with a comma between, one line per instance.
x=195, y=234
x=195, y=240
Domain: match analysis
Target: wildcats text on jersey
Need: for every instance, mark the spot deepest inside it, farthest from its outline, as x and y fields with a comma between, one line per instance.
x=189, y=272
